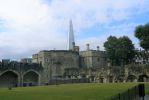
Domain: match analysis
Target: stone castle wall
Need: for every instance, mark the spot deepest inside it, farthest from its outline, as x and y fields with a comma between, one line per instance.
x=61, y=65
x=55, y=63
x=93, y=59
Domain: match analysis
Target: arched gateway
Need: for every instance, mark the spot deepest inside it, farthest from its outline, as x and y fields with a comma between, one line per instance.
x=31, y=78
x=9, y=78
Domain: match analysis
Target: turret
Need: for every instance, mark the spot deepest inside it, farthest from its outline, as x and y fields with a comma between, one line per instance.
x=87, y=47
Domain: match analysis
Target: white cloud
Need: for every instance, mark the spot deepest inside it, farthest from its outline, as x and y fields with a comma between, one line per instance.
x=33, y=25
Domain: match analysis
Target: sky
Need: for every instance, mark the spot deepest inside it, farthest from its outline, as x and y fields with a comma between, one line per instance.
x=29, y=26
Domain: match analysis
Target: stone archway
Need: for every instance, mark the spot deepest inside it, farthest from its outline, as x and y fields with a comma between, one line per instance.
x=101, y=79
x=111, y=79
x=92, y=78
x=131, y=78
x=31, y=78
x=9, y=78
x=120, y=78
x=143, y=78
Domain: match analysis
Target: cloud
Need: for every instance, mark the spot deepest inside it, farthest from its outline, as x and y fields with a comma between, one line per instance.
x=33, y=25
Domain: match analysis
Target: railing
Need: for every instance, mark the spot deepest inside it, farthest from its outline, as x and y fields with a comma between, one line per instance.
x=130, y=94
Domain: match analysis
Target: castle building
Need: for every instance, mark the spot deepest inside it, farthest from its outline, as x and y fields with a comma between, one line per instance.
x=63, y=63
x=55, y=63
x=71, y=65
x=48, y=65
x=92, y=58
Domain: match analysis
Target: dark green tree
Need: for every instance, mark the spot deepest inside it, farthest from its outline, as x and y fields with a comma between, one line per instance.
x=125, y=51
x=110, y=47
x=142, y=33
x=119, y=50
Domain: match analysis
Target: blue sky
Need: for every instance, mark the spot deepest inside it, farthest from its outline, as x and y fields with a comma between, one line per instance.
x=28, y=26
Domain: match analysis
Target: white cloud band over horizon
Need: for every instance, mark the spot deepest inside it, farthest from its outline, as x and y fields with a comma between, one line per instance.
x=28, y=26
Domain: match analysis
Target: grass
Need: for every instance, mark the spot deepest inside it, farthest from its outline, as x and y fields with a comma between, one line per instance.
x=91, y=91
x=147, y=88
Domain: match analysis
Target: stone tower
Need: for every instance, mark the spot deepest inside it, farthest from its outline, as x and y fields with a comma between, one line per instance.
x=70, y=36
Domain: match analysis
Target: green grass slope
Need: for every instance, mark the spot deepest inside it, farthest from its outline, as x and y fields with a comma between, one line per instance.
x=90, y=91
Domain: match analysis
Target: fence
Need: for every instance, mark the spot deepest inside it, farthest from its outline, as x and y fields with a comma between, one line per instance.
x=131, y=94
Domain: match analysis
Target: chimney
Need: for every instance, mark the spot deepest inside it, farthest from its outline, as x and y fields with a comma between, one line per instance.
x=87, y=47
x=73, y=46
x=77, y=48
x=98, y=48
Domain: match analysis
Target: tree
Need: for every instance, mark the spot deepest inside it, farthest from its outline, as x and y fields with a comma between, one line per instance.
x=125, y=50
x=119, y=50
x=142, y=33
x=110, y=47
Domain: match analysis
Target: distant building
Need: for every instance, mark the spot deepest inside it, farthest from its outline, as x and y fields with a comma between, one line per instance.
x=70, y=36
x=26, y=60
x=5, y=60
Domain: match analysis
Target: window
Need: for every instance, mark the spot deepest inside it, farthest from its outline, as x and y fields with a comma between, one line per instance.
x=46, y=59
x=40, y=62
x=98, y=59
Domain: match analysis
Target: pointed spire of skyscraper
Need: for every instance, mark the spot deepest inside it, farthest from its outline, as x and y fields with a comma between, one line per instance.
x=70, y=36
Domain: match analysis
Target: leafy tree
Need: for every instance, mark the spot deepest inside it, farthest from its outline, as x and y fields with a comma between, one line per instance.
x=119, y=50
x=142, y=33
x=110, y=47
x=125, y=50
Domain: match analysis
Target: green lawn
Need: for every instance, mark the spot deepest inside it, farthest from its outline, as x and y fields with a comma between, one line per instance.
x=147, y=88
x=91, y=91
